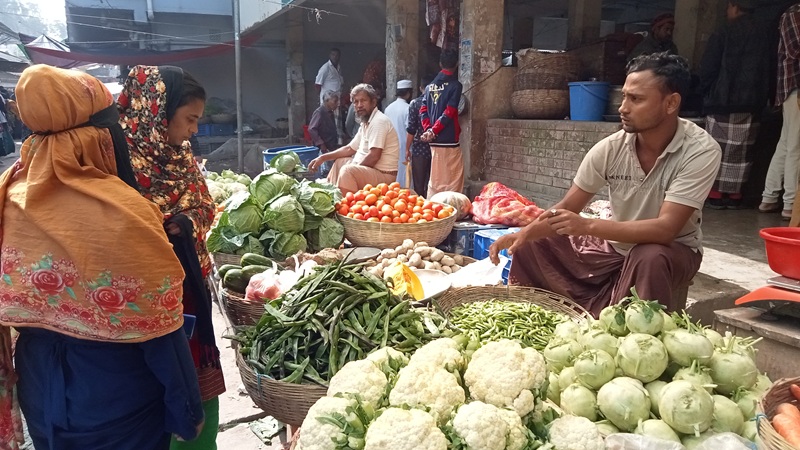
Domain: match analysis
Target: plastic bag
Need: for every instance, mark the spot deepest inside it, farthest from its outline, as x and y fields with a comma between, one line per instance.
x=726, y=441
x=628, y=441
x=264, y=286
x=479, y=273
x=500, y=204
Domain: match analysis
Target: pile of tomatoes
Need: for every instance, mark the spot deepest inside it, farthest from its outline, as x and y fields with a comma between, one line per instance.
x=388, y=203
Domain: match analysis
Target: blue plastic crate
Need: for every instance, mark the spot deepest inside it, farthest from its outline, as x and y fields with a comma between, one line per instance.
x=306, y=153
x=216, y=129
x=461, y=240
x=484, y=239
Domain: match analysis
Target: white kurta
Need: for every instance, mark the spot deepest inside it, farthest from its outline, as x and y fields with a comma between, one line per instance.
x=398, y=114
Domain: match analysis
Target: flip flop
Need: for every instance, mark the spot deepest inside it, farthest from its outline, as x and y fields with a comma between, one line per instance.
x=770, y=208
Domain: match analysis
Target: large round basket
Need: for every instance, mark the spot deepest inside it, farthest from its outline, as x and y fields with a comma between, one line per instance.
x=777, y=394
x=220, y=259
x=545, y=299
x=287, y=402
x=540, y=103
x=389, y=235
x=239, y=310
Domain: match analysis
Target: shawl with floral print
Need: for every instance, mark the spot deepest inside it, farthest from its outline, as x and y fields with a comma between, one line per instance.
x=167, y=175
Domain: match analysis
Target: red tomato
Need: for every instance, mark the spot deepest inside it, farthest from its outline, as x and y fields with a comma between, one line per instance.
x=401, y=206
x=371, y=199
x=373, y=211
x=358, y=216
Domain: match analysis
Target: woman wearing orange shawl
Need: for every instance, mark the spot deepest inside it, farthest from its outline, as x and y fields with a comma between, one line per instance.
x=89, y=279
x=159, y=108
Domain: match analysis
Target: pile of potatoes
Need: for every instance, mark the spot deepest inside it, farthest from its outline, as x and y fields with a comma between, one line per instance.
x=418, y=255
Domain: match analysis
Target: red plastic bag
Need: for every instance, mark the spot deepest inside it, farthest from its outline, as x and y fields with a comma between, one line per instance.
x=499, y=204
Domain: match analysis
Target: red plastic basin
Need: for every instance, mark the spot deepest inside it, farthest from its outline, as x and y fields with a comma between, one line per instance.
x=783, y=250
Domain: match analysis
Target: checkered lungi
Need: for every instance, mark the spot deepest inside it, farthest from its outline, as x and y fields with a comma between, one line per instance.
x=736, y=133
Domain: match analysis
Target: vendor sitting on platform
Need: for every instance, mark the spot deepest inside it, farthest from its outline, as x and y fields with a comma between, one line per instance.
x=372, y=156
x=659, y=169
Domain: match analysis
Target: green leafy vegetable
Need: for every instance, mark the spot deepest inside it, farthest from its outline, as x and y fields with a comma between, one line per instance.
x=270, y=185
x=329, y=234
x=244, y=214
x=284, y=214
x=286, y=162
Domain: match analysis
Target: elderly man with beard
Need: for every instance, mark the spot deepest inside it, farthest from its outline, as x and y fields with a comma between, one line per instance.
x=372, y=156
x=658, y=169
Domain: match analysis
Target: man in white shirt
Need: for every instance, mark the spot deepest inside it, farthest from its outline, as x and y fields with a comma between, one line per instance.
x=371, y=157
x=397, y=112
x=329, y=77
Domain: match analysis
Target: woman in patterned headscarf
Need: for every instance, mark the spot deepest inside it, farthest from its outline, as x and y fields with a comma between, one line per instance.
x=89, y=280
x=159, y=108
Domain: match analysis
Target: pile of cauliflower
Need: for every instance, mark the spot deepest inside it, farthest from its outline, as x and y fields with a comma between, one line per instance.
x=441, y=398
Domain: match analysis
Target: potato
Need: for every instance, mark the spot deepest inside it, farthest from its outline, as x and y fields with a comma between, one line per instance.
x=402, y=258
x=379, y=258
x=420, y=244
x=455, y=268
x=399, y=249
x=424, y=252
x=447, y=269
x=414, y=259
x=429, y=265
x=436, y=255
x=408, y=244
x=409, y=253
x=447, y=261
x=437, y=266
x=388, y=262
x=459, y=259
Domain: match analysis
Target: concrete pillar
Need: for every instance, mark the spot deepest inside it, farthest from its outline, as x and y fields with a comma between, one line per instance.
x=480, y=58
x=583, y=22
x=695, y=20
x=402, y=43
x=295, y=84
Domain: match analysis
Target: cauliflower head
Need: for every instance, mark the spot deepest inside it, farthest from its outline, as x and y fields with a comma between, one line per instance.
x=361, y=377
x=388, y=359
x=505, y=375
x=575, y=433
x=400, y=429
x=316, y=435
x=430, y=386
x=443, y=352
x=481, y=426
x=517, y=435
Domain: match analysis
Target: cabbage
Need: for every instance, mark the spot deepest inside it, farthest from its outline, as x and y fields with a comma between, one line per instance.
x=567, y=330
x=566, y=377
x=644, y=317
x=747, y=401
x=330, y=234
x=243, y=179
x=560, y=353
x=731, y=371
x=317, y=202
x=244, y=214
x=642, y=356
x=283, y=245
x=654, y=388
x=613, y=320
x=600, y=340
x=216, y=191
x=251, y=245
x=284, y=214
x=223, y=238
x=624, y=402
x=696, y=374
x=594, y=368
x=686, y=407
x=212, y=176
x=657, y=429
x=686, y=346
x=285, y=162
x=270, y=185
x=553, y=389
x=727, y=416
x=579, y=401
x=229, y=174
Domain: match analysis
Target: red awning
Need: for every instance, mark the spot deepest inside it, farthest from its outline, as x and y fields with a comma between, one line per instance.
x=66, y=58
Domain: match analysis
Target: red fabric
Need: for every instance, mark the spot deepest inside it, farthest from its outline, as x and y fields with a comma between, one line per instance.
x=426, y=122
x=500, y=204
x=452, y=113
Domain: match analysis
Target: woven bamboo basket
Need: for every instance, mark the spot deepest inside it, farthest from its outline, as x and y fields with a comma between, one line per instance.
x=220, y=259
x=287, y=402
x=240, y=310
x=546, y=299
x=777, y=394
x=540, y=103
x=561, y=62
x=390, y=235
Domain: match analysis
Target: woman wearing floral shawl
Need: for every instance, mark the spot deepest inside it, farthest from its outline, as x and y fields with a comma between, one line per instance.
x=88, y=278
x=159, y=108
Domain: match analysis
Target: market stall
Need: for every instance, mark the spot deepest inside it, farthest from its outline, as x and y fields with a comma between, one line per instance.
x=360, y=319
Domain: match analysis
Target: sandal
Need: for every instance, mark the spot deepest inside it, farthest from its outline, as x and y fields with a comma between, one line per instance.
x=768, y=208
x=786, y=214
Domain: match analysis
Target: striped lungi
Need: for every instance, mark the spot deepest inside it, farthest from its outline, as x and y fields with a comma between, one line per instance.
x=736, y=133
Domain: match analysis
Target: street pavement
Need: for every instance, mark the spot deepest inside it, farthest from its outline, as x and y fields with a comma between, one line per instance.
x=734, y=263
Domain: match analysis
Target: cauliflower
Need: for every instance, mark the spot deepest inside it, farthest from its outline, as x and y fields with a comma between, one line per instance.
x=400, y=429
x=388, y=359
x=444, y=352
x=517, y=435
x=316, y=435
x=361, y=377
x=505, y=375
x=429, y=386
x=575, y=433
x=480, y=426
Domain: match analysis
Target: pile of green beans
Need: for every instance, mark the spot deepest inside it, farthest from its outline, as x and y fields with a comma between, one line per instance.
x=336, y=315
x=527, y=323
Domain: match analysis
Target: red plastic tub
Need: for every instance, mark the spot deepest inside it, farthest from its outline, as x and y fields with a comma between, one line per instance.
x=783, y=250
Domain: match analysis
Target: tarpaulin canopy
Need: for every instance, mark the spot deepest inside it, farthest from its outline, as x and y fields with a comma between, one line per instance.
x=54, y=53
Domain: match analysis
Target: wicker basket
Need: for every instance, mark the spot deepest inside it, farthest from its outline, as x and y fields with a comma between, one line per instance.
x=389, y=235
x=540, y=103
x=220, y=259
x=777, y=394
x=287, y=402
x=546, y=299
x=241, y=311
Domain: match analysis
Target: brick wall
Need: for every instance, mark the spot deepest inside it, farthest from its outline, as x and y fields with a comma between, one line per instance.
x=539, y=158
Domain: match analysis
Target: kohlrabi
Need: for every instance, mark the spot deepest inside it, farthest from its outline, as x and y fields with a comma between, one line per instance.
x=642, y=356
x=696, y=374
x=600, y=340
x=644, y=316
x=686, y=407
x=624, y=401
x=560, y=353
x=686, y=346
x=654, y=389
x=613, y=320
x=553, y=389
x=566, y=377
x=747, y=401
x=727, y=416
x=732, y=370
x=579, y=401
x=657, y=429
x=594, y=368
x=566, y=330
x=763, y=383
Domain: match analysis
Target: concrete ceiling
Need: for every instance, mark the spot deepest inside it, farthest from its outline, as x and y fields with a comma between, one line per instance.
x=620, y=11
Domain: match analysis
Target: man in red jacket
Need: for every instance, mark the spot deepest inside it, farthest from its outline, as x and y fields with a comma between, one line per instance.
x=439, y=115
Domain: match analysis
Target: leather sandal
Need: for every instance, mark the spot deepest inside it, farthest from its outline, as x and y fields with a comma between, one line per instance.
x=768, y=208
